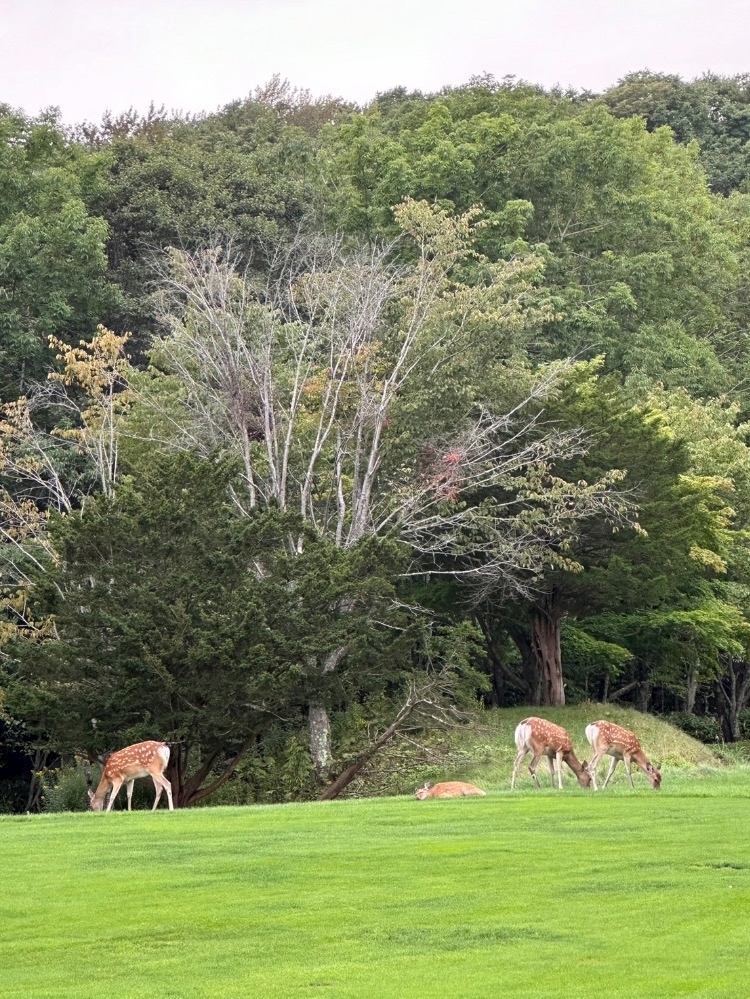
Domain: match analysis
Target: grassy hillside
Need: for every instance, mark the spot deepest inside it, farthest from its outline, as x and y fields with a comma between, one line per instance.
x=535, y=895
x=483, y=752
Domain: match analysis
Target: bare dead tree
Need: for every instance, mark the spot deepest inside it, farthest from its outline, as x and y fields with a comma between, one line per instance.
x=303, y=377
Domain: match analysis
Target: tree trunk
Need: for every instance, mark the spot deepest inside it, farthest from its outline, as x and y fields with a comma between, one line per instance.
x=319, y=724
x=496, y=675
x=319, y=728
x=733, y=694
x=186, y=791
x=34, y=797
x=195, y=790
x=545, y=639
x=643, y=696
x=175, y=773
x=507, y=682
x=691, y=689
x=531, y=672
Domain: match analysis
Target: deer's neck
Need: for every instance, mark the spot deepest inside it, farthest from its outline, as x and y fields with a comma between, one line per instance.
x=574, y=763
x=100, y=794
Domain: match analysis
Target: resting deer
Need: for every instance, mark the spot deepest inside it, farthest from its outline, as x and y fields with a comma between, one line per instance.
x=617, y=742
x=542, y=738
x=448, y=789
x=144, y=759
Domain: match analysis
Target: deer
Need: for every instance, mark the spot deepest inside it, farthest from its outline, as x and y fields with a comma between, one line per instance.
x=542, y=738
x=609, y=739
x=448, y=789
x=144, y=759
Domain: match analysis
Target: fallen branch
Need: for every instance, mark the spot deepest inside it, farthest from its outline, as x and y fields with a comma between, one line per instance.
x=424, y=697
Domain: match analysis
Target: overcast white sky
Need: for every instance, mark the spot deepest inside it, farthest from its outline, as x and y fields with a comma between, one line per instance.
x=89, y=55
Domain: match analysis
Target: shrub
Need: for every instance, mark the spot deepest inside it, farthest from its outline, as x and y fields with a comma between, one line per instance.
x=705, y=728
x=64, y=790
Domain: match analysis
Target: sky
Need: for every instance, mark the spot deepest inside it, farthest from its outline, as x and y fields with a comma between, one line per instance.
x=87, y=56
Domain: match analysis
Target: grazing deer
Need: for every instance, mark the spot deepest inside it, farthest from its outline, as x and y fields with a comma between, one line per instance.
x=542, y=738
x=144, y=759
x=448, y=789
x=613, y=740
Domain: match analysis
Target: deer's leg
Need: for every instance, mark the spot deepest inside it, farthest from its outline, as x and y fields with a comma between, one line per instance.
x=116, y=785
x=163, y=783
x=522, y=754
x=533, y=766
x=612, y=766
x=626, y=761
x=592, y=768
x=558, y=759
x=158, y=789
x=129, y=789
x=551, y=765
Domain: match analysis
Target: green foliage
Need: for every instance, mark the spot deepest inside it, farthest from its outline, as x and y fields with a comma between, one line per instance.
x=52, y=262
x=64, y=789
x=670, y=644
x=561, y=224
x=703, y=727
x=588, y=661
x=245, y=175
x=442, y=159
x=713, y=111
x=178, y=619
x=637, y=251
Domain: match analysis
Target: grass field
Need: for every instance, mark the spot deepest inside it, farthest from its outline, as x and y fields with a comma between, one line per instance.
x=535, y=894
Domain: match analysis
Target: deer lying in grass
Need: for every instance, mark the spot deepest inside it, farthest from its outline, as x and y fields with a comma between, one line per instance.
x=607, y=739
x=448, y=789
x=144, y=759
x=542, y=738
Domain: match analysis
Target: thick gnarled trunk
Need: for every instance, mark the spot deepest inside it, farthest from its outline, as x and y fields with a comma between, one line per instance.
x=545, y=641
x=187, y=791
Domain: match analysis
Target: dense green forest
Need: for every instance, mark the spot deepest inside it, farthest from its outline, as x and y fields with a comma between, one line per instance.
x=322, y=423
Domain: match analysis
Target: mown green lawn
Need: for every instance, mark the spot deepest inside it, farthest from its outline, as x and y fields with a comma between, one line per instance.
x=572, y=894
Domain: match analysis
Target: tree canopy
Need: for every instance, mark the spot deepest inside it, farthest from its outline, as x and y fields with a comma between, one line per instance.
x=313, y=414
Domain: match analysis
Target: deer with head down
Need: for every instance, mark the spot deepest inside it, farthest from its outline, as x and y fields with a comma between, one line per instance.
x=448, y=789
x=144, y=759
x=608, y=739
x=542, y=738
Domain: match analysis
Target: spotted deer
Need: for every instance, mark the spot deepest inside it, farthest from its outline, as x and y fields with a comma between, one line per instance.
x=448, y=789
x=607, y=739
x=542, y=738
x=144, y=759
